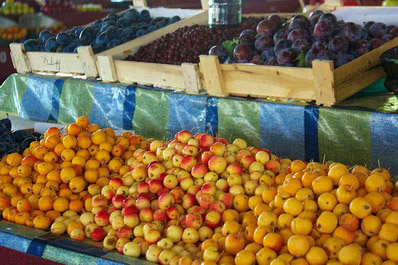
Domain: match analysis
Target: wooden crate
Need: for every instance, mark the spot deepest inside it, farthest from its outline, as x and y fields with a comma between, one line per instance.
x=322, y=83
x=185, y=77
x=83, y=63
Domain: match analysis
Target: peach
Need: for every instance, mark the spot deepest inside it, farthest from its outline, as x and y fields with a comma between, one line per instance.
x=142, y=203
x=188, y=162
x=172, y=212
x=155, y=170
x=213, y=219
x=115, y=183
x=205, y=200
x=98, y=234
x=131, y=219
x=273, y=166
x=199, y=170
x=218, y=149
x=217, y=206
x=120, y=244
x=193, y=220
x=205, y=157
x=130, y=210
x=247, y=160
x=206, y=140
x=183, y=136
x=217, y=164
x=102, y=218
x=155, y=185
x=77, y=234
x=117, y=201
x=152, y=236
x=174, y=232
x=124, y=231
x=165, y=201
x=188, y=200
x=191, y=150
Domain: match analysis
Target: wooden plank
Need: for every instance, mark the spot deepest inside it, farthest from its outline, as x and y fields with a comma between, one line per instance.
x=87, y=60
x=212, y=76
x=363, y=63
x=140, y=3
x=205, y=4
x=352, y=86
x=106, y=68
x=19, y=59
x=55, y=62
x=158, y=75
x=324, y=82
x=265, y=81
x=131, y=47
x=192, y=78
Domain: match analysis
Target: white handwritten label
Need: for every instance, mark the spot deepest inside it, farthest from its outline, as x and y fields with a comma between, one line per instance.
x=52, y=61
x=3, y=57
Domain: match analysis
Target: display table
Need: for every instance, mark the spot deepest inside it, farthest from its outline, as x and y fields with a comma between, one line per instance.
x=361, y=130
x=59, y=248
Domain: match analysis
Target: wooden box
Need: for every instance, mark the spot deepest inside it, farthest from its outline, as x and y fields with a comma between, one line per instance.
x=185, y=77
x=83, y=63
x=322, y=83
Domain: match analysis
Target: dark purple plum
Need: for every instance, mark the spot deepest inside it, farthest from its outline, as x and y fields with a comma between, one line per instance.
x=277, y=20
x=271, y=61
x=262, y=43
x=360, y=47
x=316, y=13
x=301, y=17
x=257, y=59
x=287, y=57
x=280, y=45
x=377, y=30
x=376, y=43
x=350, y=32
x=328, y=18
x=342, y=58
x=219, y=51
x=387, y=37
x=243, y=53
x=280, y=35
x=390, y=27
x=311, y=55
x=394, y=32
x=268, y=53
x=322, y=30
x=298, y=24
x=320, y=44
x=297, y=34
x=338, y=44
x=368, y=24
x=266, y=27
x=247, y=39
x=364, y=33
x=301, y=45
x=248, y=31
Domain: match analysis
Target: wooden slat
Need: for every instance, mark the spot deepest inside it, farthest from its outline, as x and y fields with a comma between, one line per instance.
x=212, y=76
x=363, y=63
x=205, y=4
x=19, y=59
x=131, y=47
x=192, y=78
x=324, y=82
x=140, y=3
x=55, y=62
x=87, y=60
x=352, y=86
x=107, y=71
x=158, y=75
x=265, y=81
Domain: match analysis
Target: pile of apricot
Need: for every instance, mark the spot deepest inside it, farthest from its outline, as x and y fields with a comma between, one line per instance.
x=198, y=199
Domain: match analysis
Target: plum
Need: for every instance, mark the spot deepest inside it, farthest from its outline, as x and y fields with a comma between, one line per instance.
x=277, y=20
x=31, y=45
x=247, y=39
x=280, y=35
x=243, y=53
x=63, y=38
x=338, y=44
x=266, y=27
x=301, y=45
x=377, y=30
x=297, y=34
x=262, y=43
x=44, y=35
x=342, y=58
x=328, y=18
x=350, y=32
x=51, y=45
x=323, y=30
x=268, y=53
x=257, y=59
x=287, y=57
x=282, y=44
x=219, y=51
x=376, y=43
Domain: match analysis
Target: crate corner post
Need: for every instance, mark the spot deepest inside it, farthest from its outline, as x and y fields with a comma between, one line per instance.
x=140, y=3
x=212, y=76
x=205, y=4
x=19, y=58
x=192, y=78
x=106, y=68
x=324, y=82
x=87, y=59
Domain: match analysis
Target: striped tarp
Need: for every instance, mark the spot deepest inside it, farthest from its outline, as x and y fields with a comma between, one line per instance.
x=361, y=131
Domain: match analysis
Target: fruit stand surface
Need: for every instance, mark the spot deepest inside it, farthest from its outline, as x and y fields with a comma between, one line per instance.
x=362, y=130
x=59, y=248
